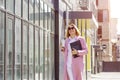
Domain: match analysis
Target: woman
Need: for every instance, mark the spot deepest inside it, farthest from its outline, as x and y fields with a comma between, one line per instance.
x=73, y=67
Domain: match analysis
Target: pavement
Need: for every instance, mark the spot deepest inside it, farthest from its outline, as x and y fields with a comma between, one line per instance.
x=98, y=76
x=105, y=76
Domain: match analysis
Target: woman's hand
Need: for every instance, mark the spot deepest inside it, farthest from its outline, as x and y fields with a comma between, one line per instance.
x=74, y=51
x=63, y=49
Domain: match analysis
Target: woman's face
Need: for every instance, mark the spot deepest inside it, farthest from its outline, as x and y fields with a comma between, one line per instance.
x=71, y=30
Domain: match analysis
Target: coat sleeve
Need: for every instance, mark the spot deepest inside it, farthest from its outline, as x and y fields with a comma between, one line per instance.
x=84, y=47
x=65, y=53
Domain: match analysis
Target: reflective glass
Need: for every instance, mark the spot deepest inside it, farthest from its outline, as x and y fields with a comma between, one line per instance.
x=52, y=55
x=52, y=44
x=52, y=19
x=17, y=66
x=25, y=9
x=2, y=3
x=37, y=12
x=41, y=55
x=18, y=7
x=45, y=56
x=1, y=46
x=45, y=15
x=10, y=5
x=31, y=53
x=9, y=47
x=41, y=13
x=49, y=56
x=49, y=19
x=36, y=54
x=31, y=14
x=25, y=53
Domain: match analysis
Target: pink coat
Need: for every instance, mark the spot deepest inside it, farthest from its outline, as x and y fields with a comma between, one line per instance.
x=77, y=63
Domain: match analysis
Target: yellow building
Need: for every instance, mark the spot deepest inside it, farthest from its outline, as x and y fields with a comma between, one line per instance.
x=84, y=25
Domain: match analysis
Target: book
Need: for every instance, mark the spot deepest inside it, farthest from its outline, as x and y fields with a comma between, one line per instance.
x=76, y=45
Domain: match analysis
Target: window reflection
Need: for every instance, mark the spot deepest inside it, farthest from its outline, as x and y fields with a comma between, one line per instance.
x=52, y=19
x=25, y=9
x=45, y=55
x=36, y=55
x=41, y=55
x=52, y=55
x=1, y=45
x=10, y=5
x=31, y=52
x=18, y=7
x=25, y=52
x=9, y=53
x=49, y=19
x=37, y=12
x=45, y=15
x=17, y=49
x=31, y=14
x=2, y=3
x=48, y=56
x=26, y=47
x=52, y=43
x=41, y=13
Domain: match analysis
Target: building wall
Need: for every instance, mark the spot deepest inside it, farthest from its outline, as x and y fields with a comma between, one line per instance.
x=84, y=25
x=118, y=48
x=27, y=40
x=104, y=22
x=103, y=4
x=113, y=37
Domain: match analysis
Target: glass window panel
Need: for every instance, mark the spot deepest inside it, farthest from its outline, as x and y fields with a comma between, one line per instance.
x=1, y=46
x=52, y=55
x=18, y=7
x=45, y=56
x=41, y=55
x=17, y=49
x=2, y=3
x=49, y=19
x=41, y=13
x=37, y=12
x=9, y=46
x=52, y=19
x=25, y=9
x=31, y=53
x=31, y=14
x=10, y=5
x=45, y=16
x=25, y=52
x=49, y=56
x=36, y=54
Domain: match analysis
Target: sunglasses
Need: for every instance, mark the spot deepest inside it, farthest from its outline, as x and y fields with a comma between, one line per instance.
x=69, y=28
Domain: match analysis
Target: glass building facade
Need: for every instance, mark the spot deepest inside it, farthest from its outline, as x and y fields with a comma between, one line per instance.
x=26, y=40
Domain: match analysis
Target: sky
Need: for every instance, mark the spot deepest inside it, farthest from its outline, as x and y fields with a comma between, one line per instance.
x=115, y=11
x=118, y=27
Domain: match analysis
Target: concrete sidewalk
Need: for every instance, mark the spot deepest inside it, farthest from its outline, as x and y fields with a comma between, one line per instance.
x=105, y=76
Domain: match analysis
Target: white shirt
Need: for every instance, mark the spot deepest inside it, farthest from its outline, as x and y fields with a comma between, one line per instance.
x=69, y=59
